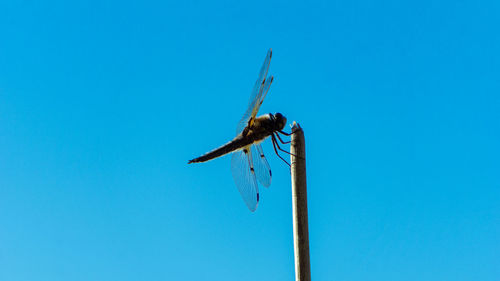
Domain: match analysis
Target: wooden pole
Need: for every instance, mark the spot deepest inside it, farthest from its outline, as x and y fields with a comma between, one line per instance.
x=299, y=204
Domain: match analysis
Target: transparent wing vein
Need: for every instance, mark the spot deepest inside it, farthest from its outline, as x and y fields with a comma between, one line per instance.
x=256, y=94
x=261, y=166
x=244, y=177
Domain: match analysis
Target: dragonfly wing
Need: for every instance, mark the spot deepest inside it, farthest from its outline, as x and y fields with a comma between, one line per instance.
x=256, y=94
x=249, y=116
x=244, y=177
x=261, y=166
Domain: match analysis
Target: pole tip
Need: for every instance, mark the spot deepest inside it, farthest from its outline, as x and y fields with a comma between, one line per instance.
x=295, y=127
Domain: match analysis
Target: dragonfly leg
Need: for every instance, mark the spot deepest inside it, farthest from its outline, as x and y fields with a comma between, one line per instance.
x=285, y=133
x=283, y=149
x=275, y=143
x=283, y=142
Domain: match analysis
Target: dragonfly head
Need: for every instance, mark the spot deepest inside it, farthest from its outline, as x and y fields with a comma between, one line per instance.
x=279, y=121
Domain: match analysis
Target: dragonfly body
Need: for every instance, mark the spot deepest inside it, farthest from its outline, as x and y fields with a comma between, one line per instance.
x=262, y=127
x=248, y=163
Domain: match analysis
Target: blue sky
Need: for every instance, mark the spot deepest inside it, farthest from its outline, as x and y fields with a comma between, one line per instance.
x=103, y=102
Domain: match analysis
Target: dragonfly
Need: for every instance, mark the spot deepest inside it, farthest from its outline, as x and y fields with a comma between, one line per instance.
x=248, y=163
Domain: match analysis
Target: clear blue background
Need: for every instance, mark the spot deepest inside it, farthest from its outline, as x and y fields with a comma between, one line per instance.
x=103, y=102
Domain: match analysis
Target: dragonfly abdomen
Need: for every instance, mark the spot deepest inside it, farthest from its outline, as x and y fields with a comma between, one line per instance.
x=237, y=143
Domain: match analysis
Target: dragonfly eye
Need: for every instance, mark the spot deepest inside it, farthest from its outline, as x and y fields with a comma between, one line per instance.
x=280, y=121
